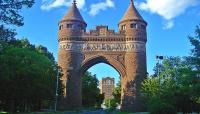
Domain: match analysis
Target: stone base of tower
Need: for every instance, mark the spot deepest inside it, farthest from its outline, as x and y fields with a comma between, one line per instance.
x=66, y=104
x=130, y=104
x=131, y=100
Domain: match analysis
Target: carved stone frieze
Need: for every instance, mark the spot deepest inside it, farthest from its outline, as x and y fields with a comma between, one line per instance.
x=111, y=47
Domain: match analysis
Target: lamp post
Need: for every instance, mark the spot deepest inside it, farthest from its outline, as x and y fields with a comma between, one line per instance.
x=158, y=58
x=56, y=93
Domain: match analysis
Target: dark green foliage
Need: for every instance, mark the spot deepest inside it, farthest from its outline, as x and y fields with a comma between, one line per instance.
x=195, y=41
x=27, y=77
x=6, y=34
x=91, y=96
x=9, y=15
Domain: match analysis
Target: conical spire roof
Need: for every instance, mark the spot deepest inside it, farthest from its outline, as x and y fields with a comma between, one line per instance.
x=131, y=13
x=73, y=13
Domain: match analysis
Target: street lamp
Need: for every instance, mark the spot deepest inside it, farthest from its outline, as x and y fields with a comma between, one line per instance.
x=158, y=58
x=56, y=92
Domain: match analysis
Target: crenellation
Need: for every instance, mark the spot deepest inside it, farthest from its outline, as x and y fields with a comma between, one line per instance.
x=102, y=31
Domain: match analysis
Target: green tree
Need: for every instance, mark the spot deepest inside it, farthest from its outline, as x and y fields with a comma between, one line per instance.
x=91, y=96
x=110, y=104
x=9, y=15
x=176, y=87
x=174, y=90
x=27, y=77
x=117, y=92
x=159, y=91
x=194, y=62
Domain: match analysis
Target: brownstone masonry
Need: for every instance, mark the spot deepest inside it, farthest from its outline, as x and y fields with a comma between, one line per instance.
x=124, y=50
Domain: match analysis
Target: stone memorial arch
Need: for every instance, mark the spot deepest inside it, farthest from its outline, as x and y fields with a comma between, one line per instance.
x=124, y=50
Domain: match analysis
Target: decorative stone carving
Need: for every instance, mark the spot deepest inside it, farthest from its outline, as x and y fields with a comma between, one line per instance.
x=111, y=47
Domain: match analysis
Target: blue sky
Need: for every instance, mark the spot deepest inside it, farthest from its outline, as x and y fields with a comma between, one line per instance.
x=169, y=24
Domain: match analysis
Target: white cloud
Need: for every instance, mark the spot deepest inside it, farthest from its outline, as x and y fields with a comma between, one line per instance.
x=168, y=9
x=50, y=4
x=96, y=8
x=169, y=25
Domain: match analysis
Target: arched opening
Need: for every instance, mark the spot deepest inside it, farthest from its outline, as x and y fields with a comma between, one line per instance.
x=101, y=59
x=107, y=73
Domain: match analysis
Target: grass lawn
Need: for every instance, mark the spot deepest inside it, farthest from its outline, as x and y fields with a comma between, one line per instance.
x=71, y=112
x=133, y=113
x=3, y=113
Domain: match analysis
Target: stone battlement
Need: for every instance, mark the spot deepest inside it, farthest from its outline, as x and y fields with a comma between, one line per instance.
x=103, y=31
x=104, y=34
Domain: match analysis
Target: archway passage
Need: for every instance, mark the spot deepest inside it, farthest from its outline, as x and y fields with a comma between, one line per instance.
x=130, y=66
x=92, y=60
x=98, y=85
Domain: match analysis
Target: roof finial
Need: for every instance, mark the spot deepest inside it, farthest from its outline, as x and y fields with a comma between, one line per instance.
x=74, y=2
x=132, y=1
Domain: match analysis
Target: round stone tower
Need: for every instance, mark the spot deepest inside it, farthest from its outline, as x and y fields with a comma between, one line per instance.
x=133, y=26
x=71, y=28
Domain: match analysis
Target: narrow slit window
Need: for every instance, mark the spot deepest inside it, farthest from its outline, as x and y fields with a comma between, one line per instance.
x=60, y=27
x=123, y=27
x=69, y=25
x=134, y=25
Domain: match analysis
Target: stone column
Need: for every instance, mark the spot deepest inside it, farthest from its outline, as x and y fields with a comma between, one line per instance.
x=135, y=63
x=71, y=79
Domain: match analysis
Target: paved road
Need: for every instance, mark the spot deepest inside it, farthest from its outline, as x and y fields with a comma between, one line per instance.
x=93, y=112
x=88, y=112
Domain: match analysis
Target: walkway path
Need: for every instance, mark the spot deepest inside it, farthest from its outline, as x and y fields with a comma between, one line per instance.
x=88, y=112
x=93, y=112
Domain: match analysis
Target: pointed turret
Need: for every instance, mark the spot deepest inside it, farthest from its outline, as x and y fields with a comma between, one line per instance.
x=73, y=14
x=72, y=24
x=131, y=14
x=132, y=22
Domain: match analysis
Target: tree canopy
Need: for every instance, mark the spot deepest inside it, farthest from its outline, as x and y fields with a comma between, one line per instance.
x=27, y=76
x=91, y=96
x=117, y=92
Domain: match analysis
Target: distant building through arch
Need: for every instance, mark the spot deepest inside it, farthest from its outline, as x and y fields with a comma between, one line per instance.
x=124, y=50
x=107, y=86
